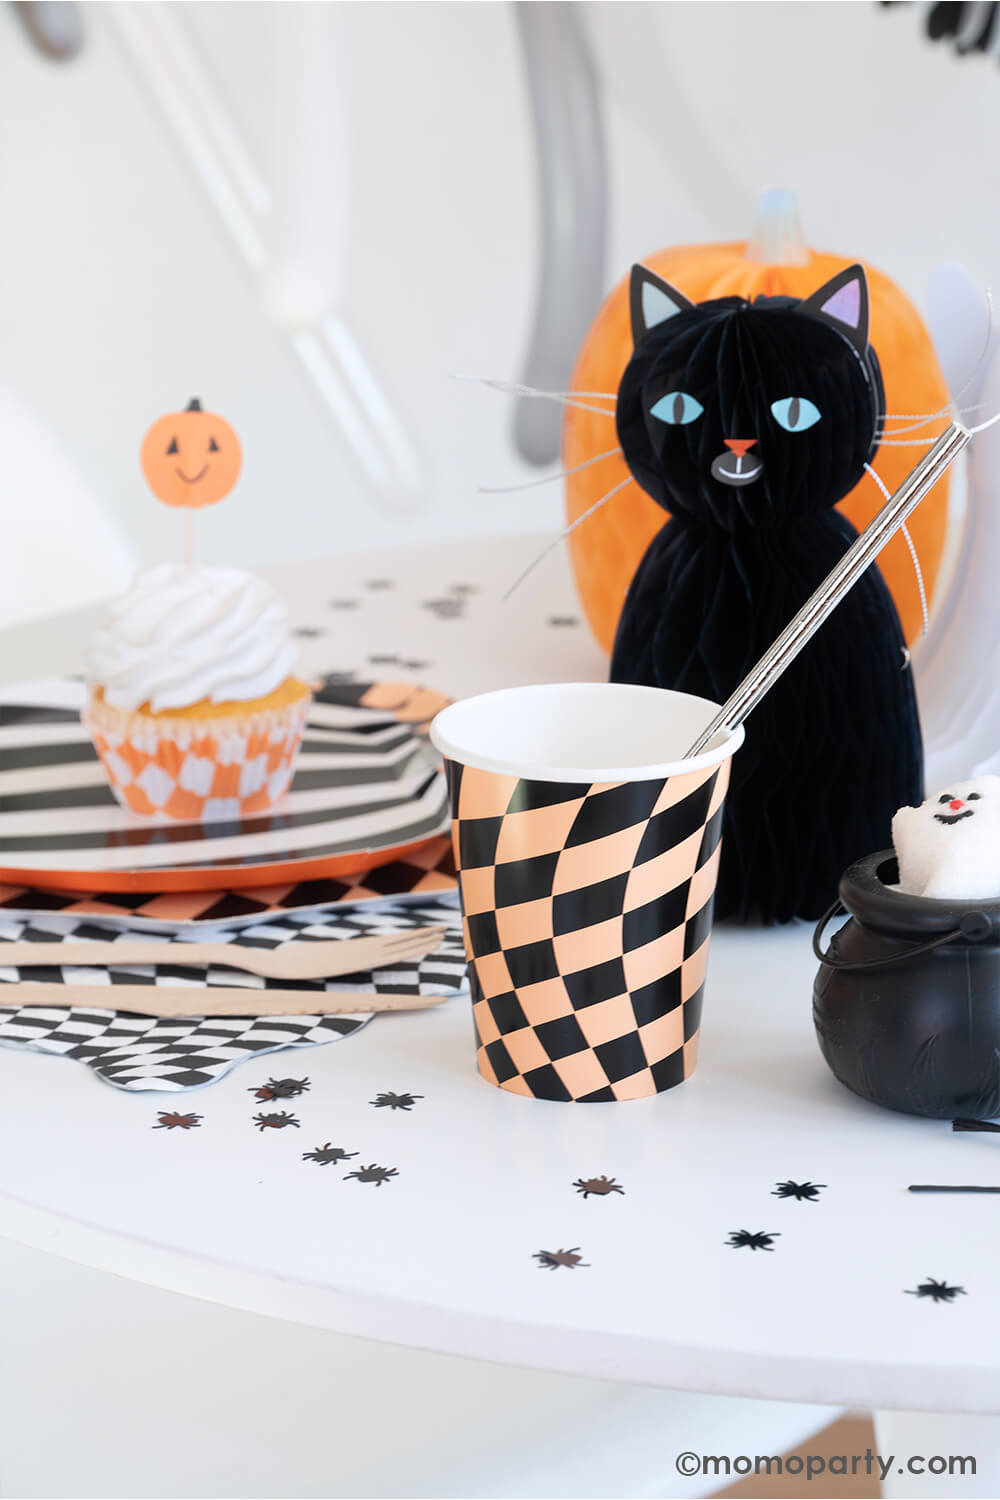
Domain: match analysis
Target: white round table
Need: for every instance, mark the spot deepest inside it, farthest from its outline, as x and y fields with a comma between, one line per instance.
x=452, y=1253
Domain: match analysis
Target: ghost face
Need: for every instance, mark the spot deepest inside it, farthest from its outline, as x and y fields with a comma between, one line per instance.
x=953, y=808
x=949, y=847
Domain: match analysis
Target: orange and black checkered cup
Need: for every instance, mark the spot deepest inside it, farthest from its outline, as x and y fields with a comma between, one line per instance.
x=587, y=849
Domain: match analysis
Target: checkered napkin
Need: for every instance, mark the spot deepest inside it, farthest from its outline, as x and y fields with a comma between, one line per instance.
x=141, y=1053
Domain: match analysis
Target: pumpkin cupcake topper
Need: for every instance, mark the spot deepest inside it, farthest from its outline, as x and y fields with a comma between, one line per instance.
x=191, y=458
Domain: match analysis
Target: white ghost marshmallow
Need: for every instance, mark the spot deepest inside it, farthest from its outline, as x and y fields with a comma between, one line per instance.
x=949, y=846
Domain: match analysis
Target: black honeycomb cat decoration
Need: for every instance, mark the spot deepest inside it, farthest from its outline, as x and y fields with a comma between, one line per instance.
x=970, y=27
x=748, y=421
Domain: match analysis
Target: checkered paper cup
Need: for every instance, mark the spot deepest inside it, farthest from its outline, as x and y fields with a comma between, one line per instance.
x=587, y=849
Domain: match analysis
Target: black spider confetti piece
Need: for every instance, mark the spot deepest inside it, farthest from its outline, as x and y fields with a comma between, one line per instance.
x=551, y=1260
x=395, y=1101
x=562, y=620
x=745, y=1239
x=280, y=1088
x=600, y=1186
x=327, y=1155
x=308, y=632
x=802, y=1192
x=445, y=609
x=938, y=1291
x=275, y=1122
x=171, y=1121
x=375, y=1174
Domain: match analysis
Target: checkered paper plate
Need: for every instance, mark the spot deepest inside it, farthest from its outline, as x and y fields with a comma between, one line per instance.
x=367, y=790
x=144, y=1053
x=421, y=875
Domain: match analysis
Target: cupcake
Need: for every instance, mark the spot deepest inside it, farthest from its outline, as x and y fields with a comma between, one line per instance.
x=192, y=703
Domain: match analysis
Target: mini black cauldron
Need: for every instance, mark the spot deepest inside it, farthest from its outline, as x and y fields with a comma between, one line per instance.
x=907, y=999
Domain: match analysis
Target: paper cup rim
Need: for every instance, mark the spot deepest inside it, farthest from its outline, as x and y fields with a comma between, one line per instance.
x=715, y=755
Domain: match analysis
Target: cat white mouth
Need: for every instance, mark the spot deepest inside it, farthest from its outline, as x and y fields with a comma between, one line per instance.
x=729, y=468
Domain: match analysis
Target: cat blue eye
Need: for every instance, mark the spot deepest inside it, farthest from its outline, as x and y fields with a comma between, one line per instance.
x=677, y=408
x=795, y=413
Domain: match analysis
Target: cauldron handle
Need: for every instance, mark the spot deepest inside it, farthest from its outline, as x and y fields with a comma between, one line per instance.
x=973, y=928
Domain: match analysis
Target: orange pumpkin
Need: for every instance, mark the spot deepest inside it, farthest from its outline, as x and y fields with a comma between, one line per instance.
x=191, y=458
x=606, y=549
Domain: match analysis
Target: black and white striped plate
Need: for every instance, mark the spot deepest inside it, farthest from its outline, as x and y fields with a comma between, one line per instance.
x=366, y=785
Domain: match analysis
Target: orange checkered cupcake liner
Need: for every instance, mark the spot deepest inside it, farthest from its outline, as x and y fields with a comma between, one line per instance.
x=222, y=768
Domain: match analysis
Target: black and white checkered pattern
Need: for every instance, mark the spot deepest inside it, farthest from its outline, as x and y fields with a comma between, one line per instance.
x=142, y=1053
x=588, y=912
x=145, y=1053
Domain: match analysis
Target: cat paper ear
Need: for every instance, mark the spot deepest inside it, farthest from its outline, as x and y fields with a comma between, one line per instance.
x=843, y=302
x=652, y=301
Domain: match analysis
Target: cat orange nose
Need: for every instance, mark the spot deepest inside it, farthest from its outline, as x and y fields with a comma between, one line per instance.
x=739, y=446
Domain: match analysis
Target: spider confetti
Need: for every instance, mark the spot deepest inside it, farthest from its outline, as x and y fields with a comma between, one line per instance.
x=276, y=1121
x=171, y=1121
x=375, y=1174
x=599, y=1186
x=395, y=1101
x=553, y=1259
x=937, y=1291
x=745, y=1239
x=280, y=1088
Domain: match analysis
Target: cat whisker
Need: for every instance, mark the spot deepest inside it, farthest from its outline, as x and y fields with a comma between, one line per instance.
x=602, y=395
x=931, y=416
x=908, y=416
x=922, y=442
x=534, y=390
x=925, y=613
x=511, y=388
x=530, y=484
x=564, y=534
x=983, y=425
x=945, y=410
x=980, y=362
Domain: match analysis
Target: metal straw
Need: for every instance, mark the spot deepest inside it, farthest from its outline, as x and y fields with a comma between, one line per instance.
x=836, y=584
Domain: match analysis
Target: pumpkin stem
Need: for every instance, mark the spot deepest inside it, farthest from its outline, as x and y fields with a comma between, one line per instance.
x=777, y=238
x=193, y=405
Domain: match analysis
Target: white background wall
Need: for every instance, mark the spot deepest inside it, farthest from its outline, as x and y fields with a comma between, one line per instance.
x=121, y=294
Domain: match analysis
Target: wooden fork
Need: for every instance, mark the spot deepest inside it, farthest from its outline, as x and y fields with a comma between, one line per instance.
x=322, y=959
x=208, y=1000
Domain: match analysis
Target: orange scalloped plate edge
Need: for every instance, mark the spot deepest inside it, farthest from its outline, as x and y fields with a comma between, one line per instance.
x=233, y=877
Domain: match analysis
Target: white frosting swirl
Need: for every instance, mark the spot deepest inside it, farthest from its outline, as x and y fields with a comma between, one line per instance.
x=181, y=634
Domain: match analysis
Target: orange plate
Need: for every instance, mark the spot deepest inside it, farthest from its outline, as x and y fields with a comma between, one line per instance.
x=233, y=877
